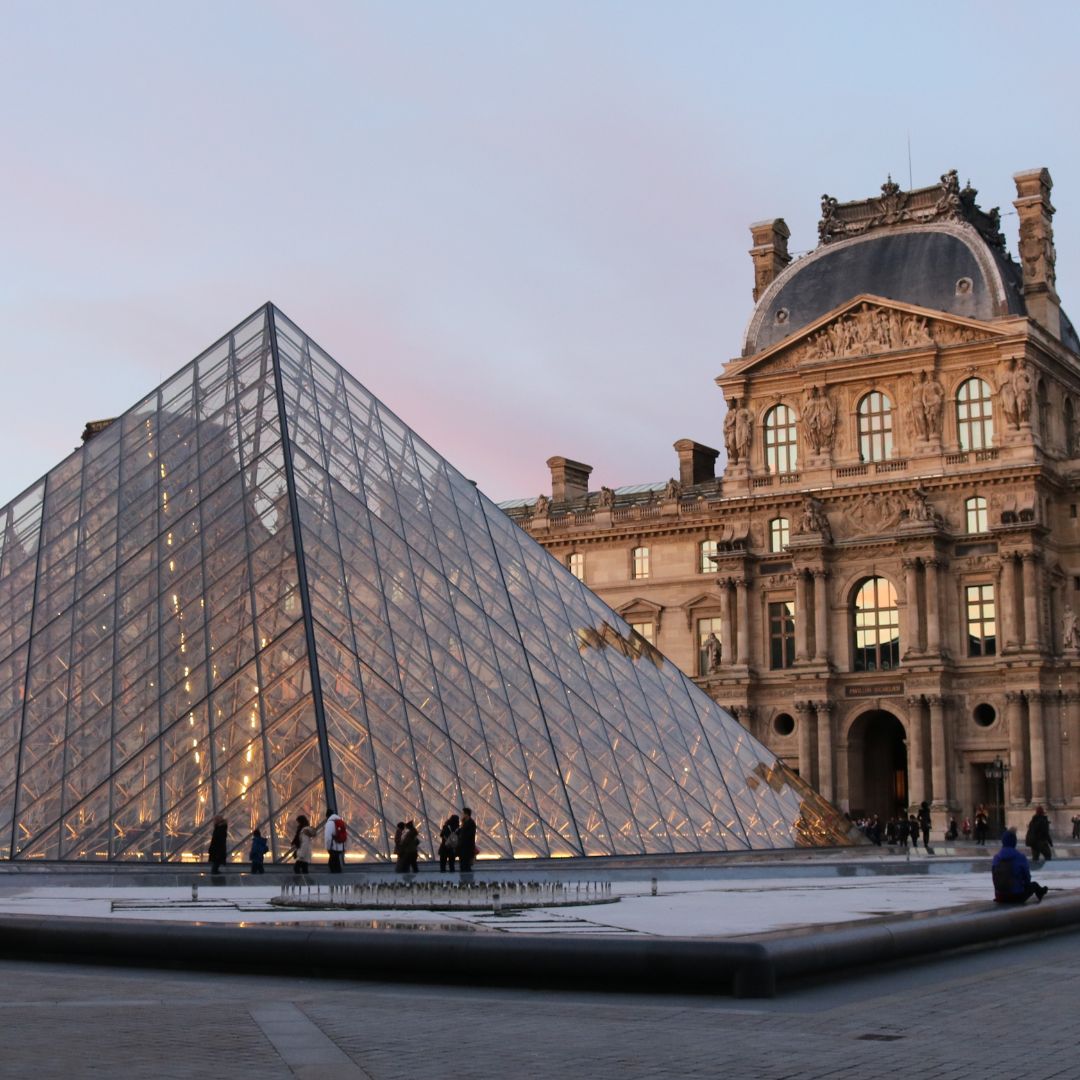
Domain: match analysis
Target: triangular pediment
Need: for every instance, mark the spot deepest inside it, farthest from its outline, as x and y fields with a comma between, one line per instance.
x=865, y=326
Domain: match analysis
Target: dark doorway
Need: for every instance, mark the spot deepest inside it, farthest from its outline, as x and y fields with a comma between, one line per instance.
x=877, y=765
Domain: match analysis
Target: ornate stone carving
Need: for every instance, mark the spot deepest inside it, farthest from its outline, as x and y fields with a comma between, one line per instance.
x=606, y=499
x=1070, y=629
x=819, y=420
x=814, y=519
x=738, y=432
x=672, y=489
x=927, y=402
x=1015, y=394
x=874, y=512
x=541, y=506
x=918, y=508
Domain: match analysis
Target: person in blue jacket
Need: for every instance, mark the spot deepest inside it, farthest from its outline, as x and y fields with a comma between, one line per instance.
x=1012, y=874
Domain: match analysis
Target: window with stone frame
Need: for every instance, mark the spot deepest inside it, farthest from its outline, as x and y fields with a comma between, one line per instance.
x=705, y=627
x=981, y=617
x=781, y=634
x=779, y=533
x=707, y=551
x=639, y=563
x=875, y=427
x=974, y=415
x=781, y=440
x=975, y=515
x=875, y=619
x=645, y=629
x=575, y=563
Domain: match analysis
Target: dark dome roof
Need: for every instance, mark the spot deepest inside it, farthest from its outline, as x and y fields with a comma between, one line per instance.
x=945, y=266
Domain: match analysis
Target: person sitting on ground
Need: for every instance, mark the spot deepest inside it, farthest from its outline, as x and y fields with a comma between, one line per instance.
x=1012, y=874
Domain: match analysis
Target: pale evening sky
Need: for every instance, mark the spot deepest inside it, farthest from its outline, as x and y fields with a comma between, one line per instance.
x=523, y=226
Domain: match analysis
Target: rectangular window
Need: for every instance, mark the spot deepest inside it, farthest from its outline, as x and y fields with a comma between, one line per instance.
x=639, y=563
x=976, y=515
x=779, y=534
x=707, y=560
x=710, y=653
x=576, y=565
x=645, y=629
x=782, y=634
x=981, y=620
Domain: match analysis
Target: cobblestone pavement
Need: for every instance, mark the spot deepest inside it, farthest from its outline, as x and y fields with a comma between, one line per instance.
x=942, y=1020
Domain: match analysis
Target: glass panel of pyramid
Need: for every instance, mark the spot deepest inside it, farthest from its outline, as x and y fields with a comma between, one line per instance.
x=257, y=593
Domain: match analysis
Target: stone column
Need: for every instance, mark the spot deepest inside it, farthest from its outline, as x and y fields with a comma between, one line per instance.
x=916, y=756
x=1014, y=714
x=727, y=651
x=806, y=741
x=821, y=616
x=802, y=653
x=826, y=787
x=743, y=646
x=1007, y=604
x=938, y=762
x=1031, y=599
x=933, y=611
x=1037, y=739
x=1071, y=736
x=914, y=628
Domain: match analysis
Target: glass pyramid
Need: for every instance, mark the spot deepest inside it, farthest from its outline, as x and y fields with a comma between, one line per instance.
x=258, y=593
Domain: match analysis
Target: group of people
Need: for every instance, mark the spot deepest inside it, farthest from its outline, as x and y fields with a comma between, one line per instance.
x=900, y=830
x=457, y=843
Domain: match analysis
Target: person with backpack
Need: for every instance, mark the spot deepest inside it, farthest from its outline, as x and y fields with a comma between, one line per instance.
x=1012, y=874
x=259, y=848
x=335, y=836
x=448, y=844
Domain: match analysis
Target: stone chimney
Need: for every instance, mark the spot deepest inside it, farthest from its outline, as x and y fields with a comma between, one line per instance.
x=697, y=462
x=1037, y=254
x=569, y=479
x=769, y=252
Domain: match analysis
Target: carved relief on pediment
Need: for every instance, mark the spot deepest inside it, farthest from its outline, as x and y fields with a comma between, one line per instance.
x=871, y=514
x=871, y=328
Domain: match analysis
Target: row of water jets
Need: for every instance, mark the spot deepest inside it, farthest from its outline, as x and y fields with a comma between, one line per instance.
x=446, y=895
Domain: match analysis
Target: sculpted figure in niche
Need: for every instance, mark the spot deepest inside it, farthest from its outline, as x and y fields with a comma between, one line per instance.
x=814, y=519
x=819, y=420
x=738, y=431
x=1070, y=630
x=607, y=498
x=541, y=507
x=927, y=402
x=712, y=654
x=919, y=508
x=1015, y=394
x=672, y=489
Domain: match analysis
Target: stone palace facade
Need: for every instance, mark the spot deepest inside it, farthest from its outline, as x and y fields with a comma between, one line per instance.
x=883, y=583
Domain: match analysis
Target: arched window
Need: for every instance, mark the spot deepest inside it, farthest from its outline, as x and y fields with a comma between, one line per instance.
x=875, y=427
x=639, y=562
x=975, y=514
x=576, y=565
x=974, y=415
x=781, y=440
x=876, y=626
x=779, y=533
x=707, y=550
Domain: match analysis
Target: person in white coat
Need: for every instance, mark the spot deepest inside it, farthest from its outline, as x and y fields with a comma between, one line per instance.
x=335, y=836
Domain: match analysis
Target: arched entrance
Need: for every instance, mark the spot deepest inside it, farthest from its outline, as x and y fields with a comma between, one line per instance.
x=877, y=765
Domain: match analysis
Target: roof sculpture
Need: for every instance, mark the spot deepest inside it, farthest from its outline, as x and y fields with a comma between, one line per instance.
x=258, y=593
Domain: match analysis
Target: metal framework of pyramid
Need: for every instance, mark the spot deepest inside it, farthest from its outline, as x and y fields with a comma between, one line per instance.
x=257, y=593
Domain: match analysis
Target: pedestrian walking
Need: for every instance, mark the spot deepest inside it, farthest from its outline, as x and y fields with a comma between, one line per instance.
x=335, y=836
x=259, y=848
x=448, y=844
x=408, y=850
x=1038, y=836
x=466, y=850
x=1012, y=874
x=913, y=831
x=981, y=823
x=301, y=844
x=924, y=823
x=219, y=845
x=1076, y=827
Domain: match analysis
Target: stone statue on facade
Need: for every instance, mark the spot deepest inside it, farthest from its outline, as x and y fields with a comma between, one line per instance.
x=918, y=508
x=607, y=498
x=819, y=420
x=927, y=402
x=541, y=506
x=672, y=490
x=738, y=432
x=814, y=519
x=712, y=654
x=1070, y=629
x=1015, y=394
